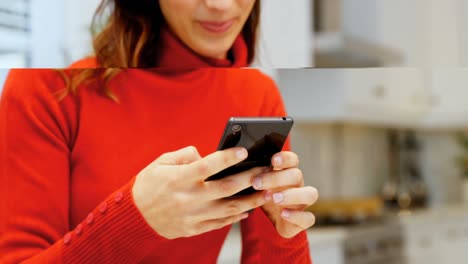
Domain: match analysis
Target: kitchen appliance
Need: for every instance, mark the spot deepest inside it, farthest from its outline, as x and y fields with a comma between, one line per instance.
x=390, y=187
x=411, y=171
x=376, y=243
x=405, y=188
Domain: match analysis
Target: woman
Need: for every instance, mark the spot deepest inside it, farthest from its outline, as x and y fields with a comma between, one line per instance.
x=76, y=144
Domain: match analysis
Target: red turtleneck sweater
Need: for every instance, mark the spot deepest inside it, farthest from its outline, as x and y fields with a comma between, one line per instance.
x=67, y=167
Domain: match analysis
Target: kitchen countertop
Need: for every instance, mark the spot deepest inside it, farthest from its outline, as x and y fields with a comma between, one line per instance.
x=442, y=211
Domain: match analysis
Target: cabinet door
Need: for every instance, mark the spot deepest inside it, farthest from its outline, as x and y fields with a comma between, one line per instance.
x=448, y=93
x=328, y=253
x=326, y=245
x=452, y=241
x=422, y=245
x=388, y=96
x=383, y=96
x=313, y=95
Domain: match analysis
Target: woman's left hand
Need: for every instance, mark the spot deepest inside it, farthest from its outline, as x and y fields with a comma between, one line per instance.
x=287, y=195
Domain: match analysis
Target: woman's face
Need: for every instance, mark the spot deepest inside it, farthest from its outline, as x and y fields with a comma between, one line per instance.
x=208, y=27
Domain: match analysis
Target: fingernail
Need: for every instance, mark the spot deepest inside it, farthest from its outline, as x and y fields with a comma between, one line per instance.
x=257, y=183
x=241, y=154
x=278, y=197
x=278, y=161
x=244, y=216
x=285, y=213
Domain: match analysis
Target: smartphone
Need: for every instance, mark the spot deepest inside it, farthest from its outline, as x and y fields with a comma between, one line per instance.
x=261, y=136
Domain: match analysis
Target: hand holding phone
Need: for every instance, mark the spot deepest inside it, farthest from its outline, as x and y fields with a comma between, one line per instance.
x=261, y=136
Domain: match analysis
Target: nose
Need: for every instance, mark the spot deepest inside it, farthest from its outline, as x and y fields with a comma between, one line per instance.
x=221, y=5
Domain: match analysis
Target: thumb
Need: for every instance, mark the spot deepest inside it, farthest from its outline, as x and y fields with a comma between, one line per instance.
x=179, y=157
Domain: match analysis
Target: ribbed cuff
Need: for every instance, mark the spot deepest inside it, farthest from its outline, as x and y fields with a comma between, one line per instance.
x=115, y=232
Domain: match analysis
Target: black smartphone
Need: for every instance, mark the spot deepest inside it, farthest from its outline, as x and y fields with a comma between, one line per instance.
x=261, y=136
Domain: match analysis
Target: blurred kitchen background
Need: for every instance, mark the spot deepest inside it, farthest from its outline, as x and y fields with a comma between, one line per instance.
x=386, y=147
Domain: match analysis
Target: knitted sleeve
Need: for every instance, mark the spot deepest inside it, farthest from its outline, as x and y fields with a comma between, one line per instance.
x=36, y=137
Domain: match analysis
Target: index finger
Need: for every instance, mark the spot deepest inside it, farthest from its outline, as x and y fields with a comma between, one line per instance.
x=284, y=160
x=202, y=169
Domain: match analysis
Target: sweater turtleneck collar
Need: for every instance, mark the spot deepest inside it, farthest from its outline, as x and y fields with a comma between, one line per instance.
x=176, y=55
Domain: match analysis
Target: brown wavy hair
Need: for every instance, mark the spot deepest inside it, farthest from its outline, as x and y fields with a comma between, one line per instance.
x=126, y=35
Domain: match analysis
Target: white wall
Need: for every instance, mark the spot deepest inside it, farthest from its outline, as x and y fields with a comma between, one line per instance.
x=3, y=74
x=47, y=31
x=445, y=33
x=61, y=31
x=286, y=34
x=78, y=17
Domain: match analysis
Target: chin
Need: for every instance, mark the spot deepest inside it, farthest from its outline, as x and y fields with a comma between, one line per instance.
x=215, y=50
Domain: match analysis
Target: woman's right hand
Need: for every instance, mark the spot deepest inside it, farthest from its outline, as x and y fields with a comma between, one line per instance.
x=173, y=197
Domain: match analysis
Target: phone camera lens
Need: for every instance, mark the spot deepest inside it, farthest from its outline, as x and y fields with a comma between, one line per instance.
x=236, y=128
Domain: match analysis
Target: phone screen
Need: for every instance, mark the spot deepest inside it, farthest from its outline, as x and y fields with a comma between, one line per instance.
x=261, y=136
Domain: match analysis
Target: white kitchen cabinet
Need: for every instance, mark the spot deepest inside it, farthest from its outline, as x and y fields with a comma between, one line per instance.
x=436, y=236
x=380, y=96
x=448, y=98
x=421, y=242
x=424, y=32
x=431, y=99
x=326, y=245
x=452, y=246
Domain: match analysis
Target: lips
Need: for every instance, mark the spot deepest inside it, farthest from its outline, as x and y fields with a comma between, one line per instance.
x=216, y=26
